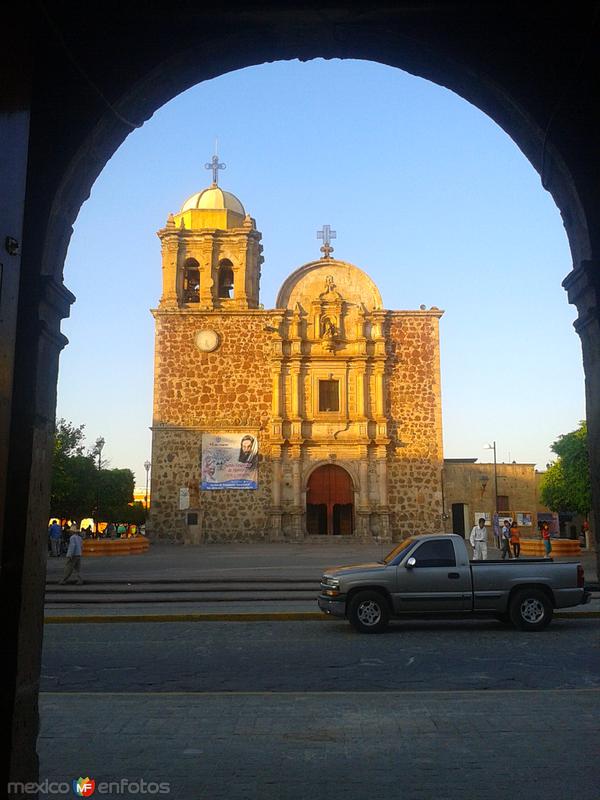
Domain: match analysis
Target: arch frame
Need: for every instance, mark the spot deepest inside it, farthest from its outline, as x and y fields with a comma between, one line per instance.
x=63, y=121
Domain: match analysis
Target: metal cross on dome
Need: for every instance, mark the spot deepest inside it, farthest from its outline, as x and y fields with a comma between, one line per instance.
x=327, y=235
x=215, y=166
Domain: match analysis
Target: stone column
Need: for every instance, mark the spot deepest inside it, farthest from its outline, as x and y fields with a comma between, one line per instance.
x=43, y=301
x=379, y=391
x=382, y=481
x=276, y=499
x=360, y=392
x=382, y=486
x=362, y=512
x=276, y=402
x=363, y=474
x=295, y=404
x=170, y=252
x=296, y=511
x=583, y=288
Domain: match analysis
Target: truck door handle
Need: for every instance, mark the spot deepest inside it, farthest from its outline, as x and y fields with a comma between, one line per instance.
x=453, y=575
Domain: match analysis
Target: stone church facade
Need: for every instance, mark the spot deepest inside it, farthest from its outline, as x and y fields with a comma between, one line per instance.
x=338, y=397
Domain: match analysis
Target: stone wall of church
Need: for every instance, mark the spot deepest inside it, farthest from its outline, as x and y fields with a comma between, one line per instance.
x=415, y=428
x=414, y=392
x=230, y=386
x=224, y=515
x=228, y=391
x=415, y=497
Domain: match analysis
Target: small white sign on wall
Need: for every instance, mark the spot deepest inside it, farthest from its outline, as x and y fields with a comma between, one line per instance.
x=184, y=499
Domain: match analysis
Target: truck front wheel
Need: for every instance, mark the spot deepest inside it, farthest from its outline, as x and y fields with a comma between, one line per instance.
x=530, y=610
x=368, y=612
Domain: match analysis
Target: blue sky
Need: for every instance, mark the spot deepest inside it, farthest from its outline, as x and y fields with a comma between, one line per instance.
x=427, y=195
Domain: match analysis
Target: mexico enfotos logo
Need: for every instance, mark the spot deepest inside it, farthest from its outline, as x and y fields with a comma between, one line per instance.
x=86, y=787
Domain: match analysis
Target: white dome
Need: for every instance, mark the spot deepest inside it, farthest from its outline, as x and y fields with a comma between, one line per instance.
x=214, y=198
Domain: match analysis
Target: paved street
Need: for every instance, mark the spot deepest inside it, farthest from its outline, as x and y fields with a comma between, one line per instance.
x=462, y=709
x=319, y=656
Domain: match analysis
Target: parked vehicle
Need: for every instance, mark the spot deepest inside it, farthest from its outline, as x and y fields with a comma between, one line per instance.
x=432, y=576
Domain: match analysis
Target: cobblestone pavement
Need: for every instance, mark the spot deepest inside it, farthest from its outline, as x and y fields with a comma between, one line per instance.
x=303, y=746
x=231, y=711
x=318, y=656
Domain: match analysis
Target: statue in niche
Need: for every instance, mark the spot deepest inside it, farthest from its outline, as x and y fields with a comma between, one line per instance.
x=329, y=333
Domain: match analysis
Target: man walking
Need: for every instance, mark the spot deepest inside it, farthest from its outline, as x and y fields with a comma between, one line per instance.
x=55, y=532
x=73, y=558
x=478, y=541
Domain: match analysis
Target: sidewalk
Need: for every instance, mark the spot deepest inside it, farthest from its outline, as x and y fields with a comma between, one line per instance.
x=300, y=561
x=261, y=581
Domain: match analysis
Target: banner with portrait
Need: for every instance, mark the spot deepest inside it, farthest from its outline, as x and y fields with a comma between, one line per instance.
x=229, y=461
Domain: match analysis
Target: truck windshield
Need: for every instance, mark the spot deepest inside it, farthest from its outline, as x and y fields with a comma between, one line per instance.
x=398, y=550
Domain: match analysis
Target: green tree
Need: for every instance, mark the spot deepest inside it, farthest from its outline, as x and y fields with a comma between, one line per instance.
x=135, y=513
x=566, y=484
x=78, y=486
x=73, y=490
x=115, y=494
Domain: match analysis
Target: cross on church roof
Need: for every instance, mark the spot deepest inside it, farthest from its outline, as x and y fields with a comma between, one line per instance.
x=215, y=166
x=327, y=235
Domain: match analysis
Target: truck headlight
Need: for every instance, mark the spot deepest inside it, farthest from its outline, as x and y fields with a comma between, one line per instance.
x=330, y=586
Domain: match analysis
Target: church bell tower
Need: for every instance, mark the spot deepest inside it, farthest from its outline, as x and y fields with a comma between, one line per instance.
x=211, y=252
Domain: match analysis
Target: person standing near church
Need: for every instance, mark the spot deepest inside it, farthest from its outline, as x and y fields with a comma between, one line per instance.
x=54, y=532
x=73, y=558
x=505, y=540
x=547, y=540
x=478, y=541
x=515, y=539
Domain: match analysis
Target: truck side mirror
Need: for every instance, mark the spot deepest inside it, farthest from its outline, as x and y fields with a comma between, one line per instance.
x=412, y=562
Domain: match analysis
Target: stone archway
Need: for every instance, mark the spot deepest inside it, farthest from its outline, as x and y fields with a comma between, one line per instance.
x=329, y=502
x=77, y=80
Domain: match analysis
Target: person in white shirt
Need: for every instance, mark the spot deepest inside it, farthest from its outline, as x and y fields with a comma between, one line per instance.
x=478, y=539
x=73, y=558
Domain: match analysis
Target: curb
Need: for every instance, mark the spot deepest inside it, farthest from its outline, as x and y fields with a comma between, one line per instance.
x=267, y=616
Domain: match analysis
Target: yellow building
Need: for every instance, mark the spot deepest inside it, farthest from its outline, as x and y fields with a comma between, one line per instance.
x=321, y=416
x=139, y=496
x=470, y=488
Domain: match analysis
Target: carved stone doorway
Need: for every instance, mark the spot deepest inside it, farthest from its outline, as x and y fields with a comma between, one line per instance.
x=330, y=502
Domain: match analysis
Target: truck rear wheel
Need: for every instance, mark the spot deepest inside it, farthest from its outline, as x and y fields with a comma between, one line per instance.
x=368, y=612
x=531, y=610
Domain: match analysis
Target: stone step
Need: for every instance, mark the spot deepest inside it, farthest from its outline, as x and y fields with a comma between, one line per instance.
x=149, y=597
x=180, y=588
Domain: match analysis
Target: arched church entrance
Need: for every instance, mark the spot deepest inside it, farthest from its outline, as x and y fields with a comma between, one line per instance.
x=329, y=502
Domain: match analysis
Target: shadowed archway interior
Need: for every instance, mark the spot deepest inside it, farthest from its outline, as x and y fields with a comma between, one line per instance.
x=78, y=79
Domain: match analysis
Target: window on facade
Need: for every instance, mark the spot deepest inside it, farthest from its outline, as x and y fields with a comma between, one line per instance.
x=502, y=502
x=191, y=281
x=226, y=279
x=329, y=395
x=438, y=553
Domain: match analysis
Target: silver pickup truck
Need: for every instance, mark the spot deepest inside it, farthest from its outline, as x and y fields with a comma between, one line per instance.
x=432, y=575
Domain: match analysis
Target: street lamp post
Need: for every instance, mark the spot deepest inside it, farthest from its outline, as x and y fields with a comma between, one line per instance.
x=147, y=466
x=493, y=447
x=99, y=446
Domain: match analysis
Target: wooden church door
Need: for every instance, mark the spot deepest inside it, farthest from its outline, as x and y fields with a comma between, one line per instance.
x=329, y=502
